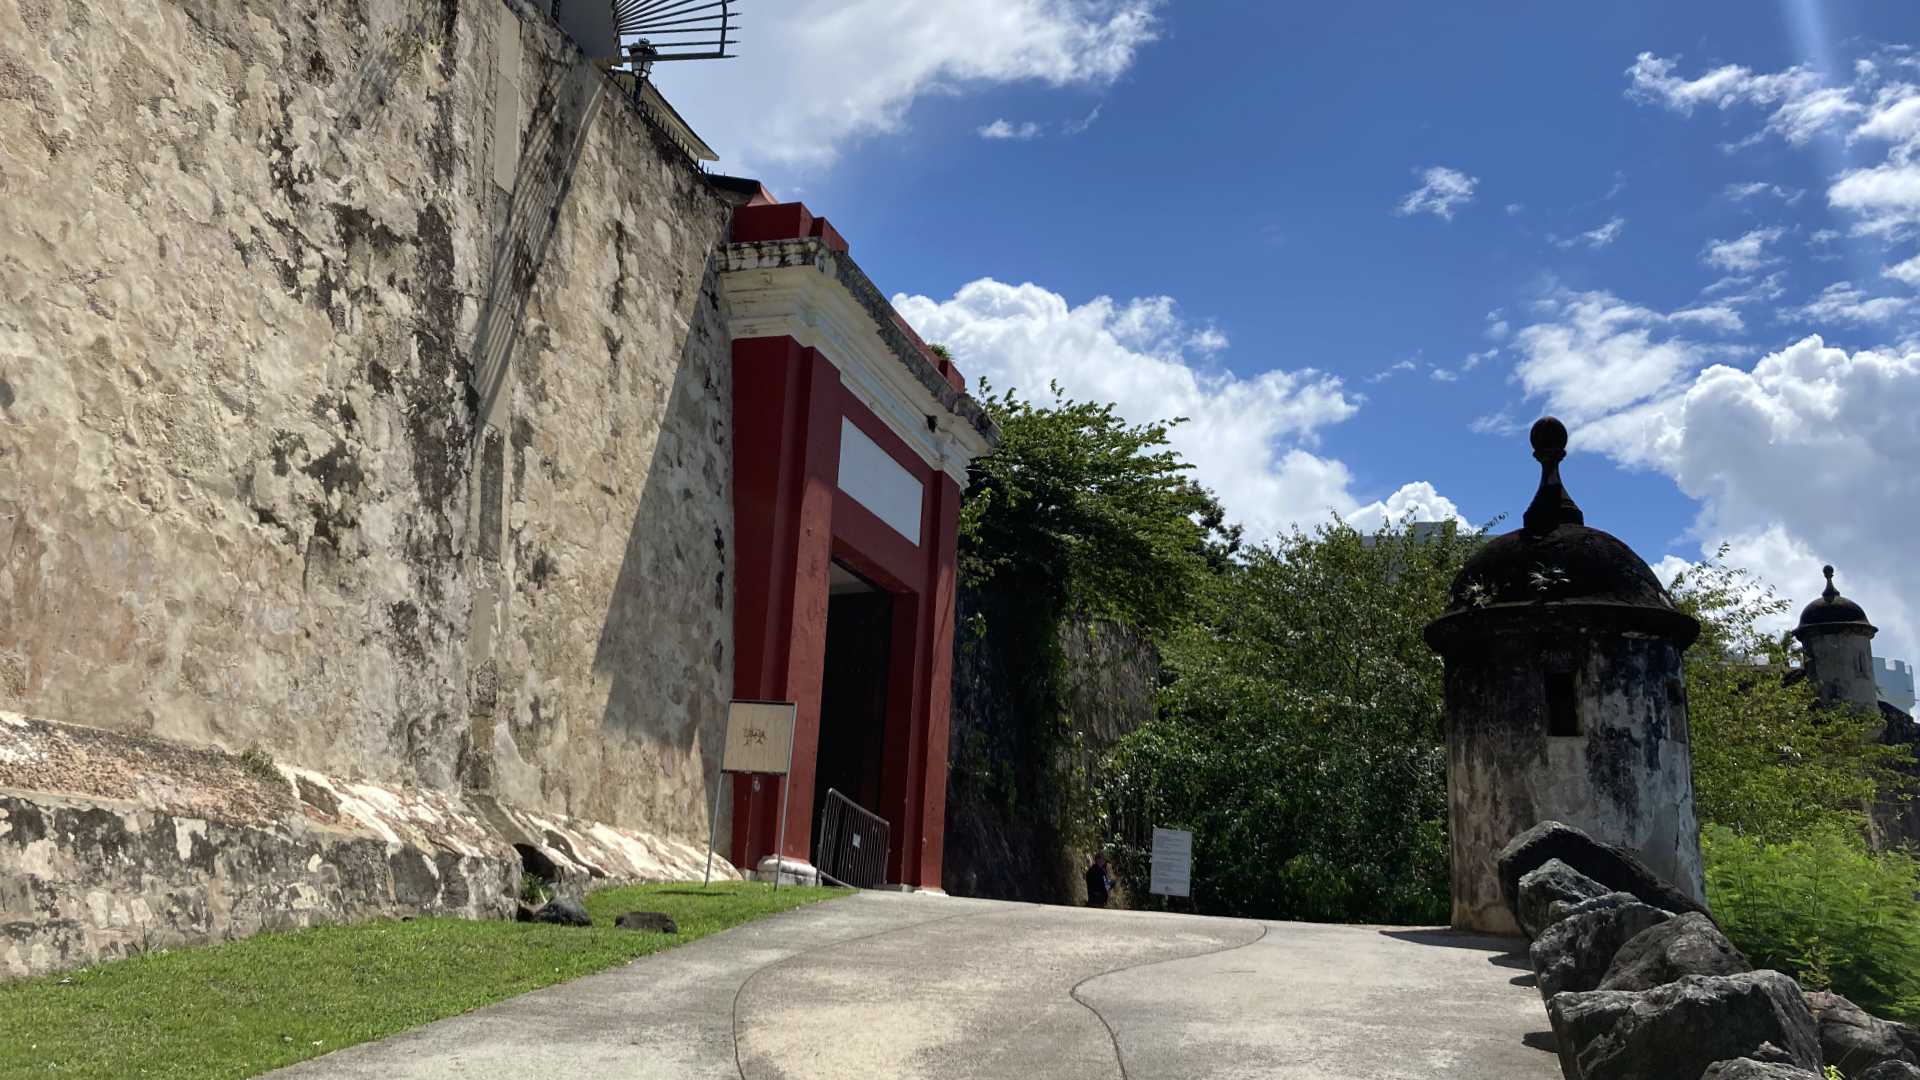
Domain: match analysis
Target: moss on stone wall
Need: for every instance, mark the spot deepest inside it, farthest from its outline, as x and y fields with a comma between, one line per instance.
x=1031, y=722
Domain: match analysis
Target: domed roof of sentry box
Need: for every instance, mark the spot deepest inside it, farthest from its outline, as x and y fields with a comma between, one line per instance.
x=1832, y=611
x=1555, y=563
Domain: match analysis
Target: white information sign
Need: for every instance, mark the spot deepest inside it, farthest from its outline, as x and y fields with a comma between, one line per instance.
x=759, y=740
x=1172, y=863
x=759, y=737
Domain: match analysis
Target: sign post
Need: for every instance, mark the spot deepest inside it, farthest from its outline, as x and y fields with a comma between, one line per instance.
x=759, y=741
x=1172, y=873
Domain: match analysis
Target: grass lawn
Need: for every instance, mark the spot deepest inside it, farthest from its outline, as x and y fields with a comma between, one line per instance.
x=244, y=1007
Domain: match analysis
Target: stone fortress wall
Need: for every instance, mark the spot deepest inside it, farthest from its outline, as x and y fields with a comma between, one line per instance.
x=250, y=253
x=363, y=402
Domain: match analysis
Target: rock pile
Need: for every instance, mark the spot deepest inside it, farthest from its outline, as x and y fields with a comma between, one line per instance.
x=1640, y=984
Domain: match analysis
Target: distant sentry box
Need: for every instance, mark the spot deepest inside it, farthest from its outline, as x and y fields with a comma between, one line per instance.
x=641, y=32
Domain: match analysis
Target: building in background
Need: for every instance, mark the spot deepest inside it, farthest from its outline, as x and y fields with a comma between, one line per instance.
x=1895, y=680
x=1420, y=532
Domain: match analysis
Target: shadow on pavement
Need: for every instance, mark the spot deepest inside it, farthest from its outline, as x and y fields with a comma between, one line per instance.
x=1456, y=939
x=1510, y=952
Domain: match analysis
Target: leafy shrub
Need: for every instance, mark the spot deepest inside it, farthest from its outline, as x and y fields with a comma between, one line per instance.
x=534, y=890
x=1082, y=514
x=1300, y=734
x=1077, y=515
x=259, y=763
x=1824, y=909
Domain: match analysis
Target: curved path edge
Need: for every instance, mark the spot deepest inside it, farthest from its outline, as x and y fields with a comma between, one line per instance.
x=1113, y=1034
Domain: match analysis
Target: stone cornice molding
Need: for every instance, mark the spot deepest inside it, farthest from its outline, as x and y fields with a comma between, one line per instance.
x=803, y=289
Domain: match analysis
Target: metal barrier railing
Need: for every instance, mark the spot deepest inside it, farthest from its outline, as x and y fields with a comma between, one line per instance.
x=853, y=844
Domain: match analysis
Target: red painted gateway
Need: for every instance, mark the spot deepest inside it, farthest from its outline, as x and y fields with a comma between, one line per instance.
x=851, y=445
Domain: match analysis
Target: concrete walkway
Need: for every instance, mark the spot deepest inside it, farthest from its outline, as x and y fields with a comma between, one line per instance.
x=886, y=985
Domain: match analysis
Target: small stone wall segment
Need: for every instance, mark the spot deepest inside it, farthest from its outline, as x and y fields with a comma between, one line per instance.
x=112, y=845
x=83, y=881
x=1896, y=818
x=363, y=397
x=1016, y=851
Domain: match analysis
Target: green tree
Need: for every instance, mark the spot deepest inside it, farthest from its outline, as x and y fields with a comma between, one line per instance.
x=1075, y=515
x=1084, y=514
x=1781, y=788
x=1300, y=734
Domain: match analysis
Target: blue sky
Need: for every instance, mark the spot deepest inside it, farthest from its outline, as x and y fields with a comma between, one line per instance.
x=1365, y=245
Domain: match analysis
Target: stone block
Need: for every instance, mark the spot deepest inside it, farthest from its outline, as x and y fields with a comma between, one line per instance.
x=1683, y=1028
x=1686, y=945
x=1551, y=883
x=1575, y=953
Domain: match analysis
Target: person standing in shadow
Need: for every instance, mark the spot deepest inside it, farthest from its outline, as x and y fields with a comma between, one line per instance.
x=1099, y=881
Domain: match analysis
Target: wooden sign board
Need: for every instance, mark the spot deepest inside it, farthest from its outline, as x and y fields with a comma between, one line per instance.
x=1172, y=872
x=759, y=737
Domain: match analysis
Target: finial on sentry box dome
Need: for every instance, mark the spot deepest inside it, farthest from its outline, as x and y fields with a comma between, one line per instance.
x=1552, y=507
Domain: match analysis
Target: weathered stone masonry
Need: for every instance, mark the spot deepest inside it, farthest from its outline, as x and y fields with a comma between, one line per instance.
x=249, y=251
x=364, y=399
x=1565, y=700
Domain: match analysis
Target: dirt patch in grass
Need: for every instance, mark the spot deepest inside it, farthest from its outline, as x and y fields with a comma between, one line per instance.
x=245, y=1007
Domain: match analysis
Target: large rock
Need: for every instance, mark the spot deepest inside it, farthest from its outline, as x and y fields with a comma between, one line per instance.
x=1560, y=909
x=563, y=912
x=1852, y=1039
x=1575, y=953
x=1615, y=867
x=1687, y=945
x=1749, y=1069
x=1680, y=1029
x=1892, y=1070
x=1551, y=886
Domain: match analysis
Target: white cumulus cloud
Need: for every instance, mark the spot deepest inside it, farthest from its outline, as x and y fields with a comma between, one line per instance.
x=1803, y=458
x=1596, y=354
x=1885, y=197
x=1841, y=302
x=1252, y=438
x=1417, y=501
x=1003, y=129
x=1651, y=79
x=1755, y=188
x=1882, y=197
x=1441, y=191
x=1895, y=115
x=1743, y=253
x=827, y=72
x=1593, y=238
x=1737, y=289
x=1719, y=317
x=1803, y=107
x=1805, y=115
